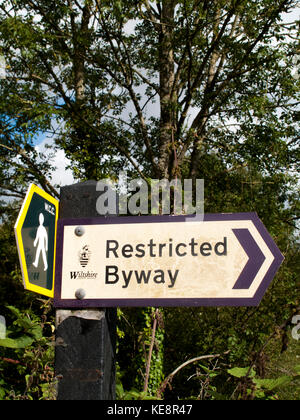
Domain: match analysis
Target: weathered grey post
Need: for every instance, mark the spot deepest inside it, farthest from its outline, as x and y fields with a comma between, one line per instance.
x=85, y=339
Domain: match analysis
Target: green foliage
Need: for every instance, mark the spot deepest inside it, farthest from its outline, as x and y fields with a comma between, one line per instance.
x=136, y=326
x=284, y=363
x=228, y=61
x=26, y=353
x=255, y=388
x=132, y=394
x=26, y=331
x=26, y=358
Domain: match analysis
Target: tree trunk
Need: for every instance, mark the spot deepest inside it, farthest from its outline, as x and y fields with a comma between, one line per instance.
x=168, y=98
x=79, y=55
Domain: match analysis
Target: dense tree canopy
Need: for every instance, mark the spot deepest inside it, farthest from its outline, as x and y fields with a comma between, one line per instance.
x=149, y=86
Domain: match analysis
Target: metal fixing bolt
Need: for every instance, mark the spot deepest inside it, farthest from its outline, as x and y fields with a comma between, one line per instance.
x=79, y=231
x=80, y=294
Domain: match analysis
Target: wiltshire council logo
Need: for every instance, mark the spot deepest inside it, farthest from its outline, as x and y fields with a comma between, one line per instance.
x=84, y=256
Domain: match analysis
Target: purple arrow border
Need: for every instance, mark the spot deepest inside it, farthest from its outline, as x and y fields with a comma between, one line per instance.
x=105, y=303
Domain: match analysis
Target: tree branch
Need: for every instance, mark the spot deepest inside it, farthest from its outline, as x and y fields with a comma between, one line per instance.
x=170, y=377
x=36, y=171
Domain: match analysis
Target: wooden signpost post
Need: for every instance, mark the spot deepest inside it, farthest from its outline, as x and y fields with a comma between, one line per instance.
x=85, y=339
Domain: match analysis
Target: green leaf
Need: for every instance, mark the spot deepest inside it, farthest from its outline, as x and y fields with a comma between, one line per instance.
x=271, y=384
x=36, y=331
x=2, y=393
x=17, y=343
x=15, y=311
x=241, y=372
x=120, y=391
x=297, y=369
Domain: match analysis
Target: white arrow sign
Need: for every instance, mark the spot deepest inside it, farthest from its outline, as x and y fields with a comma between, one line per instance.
x=222, y=259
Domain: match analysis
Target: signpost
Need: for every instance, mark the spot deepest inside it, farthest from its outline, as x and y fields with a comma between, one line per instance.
x=85, y=339
x=218, y=260
x=104, y=262
x=35, y=232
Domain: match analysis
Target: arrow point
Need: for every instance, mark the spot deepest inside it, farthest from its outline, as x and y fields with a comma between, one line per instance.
x=256, y=259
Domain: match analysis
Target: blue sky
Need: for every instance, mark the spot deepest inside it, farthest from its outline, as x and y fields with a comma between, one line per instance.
x=39, y=138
